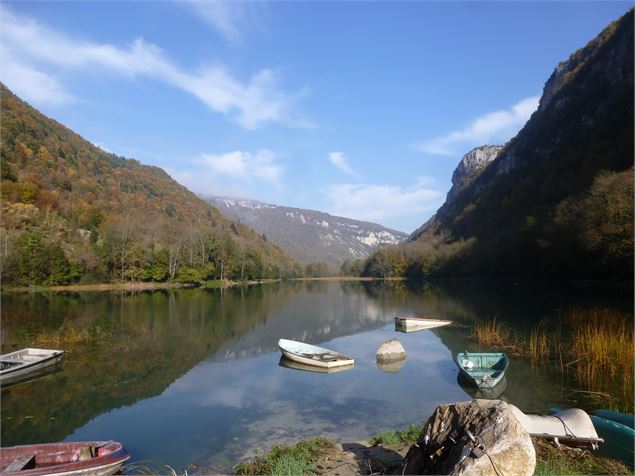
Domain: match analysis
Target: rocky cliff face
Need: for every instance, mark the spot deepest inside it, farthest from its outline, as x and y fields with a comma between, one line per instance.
x=309, y=235
x=532, y=209
x=471, y=166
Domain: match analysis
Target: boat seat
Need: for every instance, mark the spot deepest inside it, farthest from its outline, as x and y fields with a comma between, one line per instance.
x=20, y=463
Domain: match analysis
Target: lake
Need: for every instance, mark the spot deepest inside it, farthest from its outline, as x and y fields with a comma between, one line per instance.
x=192, y=376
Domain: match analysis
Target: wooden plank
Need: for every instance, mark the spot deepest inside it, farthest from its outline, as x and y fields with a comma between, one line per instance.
x=20, y=463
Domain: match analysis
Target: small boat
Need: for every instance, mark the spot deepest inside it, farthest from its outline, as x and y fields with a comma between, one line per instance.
x=290, y=364
x=85, y=458
x=16, y=365
x=482, y=369
x=411, y=324
x=313, y=355
x=571, y=426
x=622, y=418
x=616, y=429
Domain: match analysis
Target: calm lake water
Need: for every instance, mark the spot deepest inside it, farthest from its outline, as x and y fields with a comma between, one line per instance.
x=193, y=376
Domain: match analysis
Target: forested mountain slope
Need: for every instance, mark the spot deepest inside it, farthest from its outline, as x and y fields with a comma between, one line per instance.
x=71, y=212
x=557, y=200
x=309, y=235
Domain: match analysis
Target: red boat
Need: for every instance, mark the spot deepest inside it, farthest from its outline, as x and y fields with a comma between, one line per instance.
x=83, y=458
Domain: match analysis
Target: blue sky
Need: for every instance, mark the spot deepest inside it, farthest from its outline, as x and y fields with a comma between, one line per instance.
x=357, y=109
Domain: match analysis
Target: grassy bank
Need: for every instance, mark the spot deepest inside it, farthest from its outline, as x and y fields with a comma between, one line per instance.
x=305, y=457
x=594, y=345
x=288, y=460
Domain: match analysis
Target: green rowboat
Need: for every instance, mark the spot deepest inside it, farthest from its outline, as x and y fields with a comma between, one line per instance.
x=482, y=369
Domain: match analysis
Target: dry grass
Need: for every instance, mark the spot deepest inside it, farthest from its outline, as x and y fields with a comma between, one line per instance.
x=602, y=347
x=596, y=345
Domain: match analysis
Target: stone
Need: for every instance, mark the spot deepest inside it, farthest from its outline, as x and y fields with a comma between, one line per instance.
x=445, y=445
x=390, y=351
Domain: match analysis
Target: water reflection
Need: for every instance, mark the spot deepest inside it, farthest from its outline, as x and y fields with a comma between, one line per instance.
x=193, y=376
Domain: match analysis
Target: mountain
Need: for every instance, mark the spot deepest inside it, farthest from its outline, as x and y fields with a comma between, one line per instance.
x=557, y=199
x=309, y=235
x=71, y=212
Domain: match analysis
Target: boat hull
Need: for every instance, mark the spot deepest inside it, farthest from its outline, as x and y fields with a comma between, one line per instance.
x=18, y=365
x=488, y=370
x=305, y=354
x=63, y=459
x=411, y=324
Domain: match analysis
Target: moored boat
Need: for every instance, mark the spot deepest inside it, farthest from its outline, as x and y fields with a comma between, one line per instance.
x=16, y=365
x=411, y=324
x=84, y=458
x=482, y=369
x=291, y=364
x=313, y=355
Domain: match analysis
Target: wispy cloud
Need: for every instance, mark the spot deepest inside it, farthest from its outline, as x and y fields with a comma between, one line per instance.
x=386, y=204
x=339, y=160
x=229, y=18
x=246, y=166
x=28, y=48
x=236, y=174
x=497, y=126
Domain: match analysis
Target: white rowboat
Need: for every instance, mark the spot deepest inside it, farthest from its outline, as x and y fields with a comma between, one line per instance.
x=313, y=355
x=16, y=365
x=409, y=324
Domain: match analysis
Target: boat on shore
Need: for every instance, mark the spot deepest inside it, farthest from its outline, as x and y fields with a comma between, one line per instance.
x=412, y=324
x=84, y=458
x=313, y=355
x=17, y=365
x=616, y=429
x=482, y=369
x=571, y=426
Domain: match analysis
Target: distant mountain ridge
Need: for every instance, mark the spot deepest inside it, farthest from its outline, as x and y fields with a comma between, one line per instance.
x=311, y=236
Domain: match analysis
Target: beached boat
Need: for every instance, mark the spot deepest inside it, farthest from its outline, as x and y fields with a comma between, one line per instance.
x=313, y=355
x=291, y=364
x=411, y=324
x=571, y=426
x=16, y=365
x=86, y=458
x=616, y=429
x=482, y=369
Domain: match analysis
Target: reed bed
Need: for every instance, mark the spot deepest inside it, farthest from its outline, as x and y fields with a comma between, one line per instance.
x=595, y=345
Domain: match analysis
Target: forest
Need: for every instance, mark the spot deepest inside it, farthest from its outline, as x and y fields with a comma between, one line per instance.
x=73, y=213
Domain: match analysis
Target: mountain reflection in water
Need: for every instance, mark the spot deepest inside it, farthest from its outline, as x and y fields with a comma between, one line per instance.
x=193, y=376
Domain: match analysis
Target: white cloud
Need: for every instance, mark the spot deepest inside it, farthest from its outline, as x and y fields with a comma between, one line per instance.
x=234, y=174
x=27, y=82
x=246, y=166
x=339, y=160
x=228, y=18
x=383, y=203
x=28, y=48
x=497, y=126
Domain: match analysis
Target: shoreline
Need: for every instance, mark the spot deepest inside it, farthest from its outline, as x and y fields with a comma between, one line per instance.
x=152, y=286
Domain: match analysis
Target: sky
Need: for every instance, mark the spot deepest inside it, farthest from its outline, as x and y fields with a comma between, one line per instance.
x=358, y=109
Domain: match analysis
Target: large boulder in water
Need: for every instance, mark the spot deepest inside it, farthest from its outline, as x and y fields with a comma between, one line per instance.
x=390, y=351
x=480, y=437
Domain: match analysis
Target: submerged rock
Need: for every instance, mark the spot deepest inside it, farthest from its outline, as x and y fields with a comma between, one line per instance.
x=480, y=437
x=390, y=351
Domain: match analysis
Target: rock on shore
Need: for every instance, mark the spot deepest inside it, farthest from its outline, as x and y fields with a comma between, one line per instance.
x=445, y=447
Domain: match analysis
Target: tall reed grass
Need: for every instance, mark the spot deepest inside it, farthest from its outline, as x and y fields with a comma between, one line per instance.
x=595, y=345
